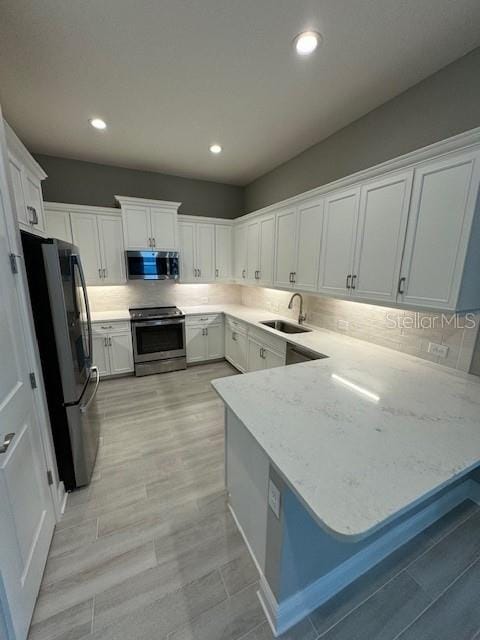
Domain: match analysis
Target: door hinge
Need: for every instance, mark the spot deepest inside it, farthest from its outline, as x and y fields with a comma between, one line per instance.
x=50, y=477
x=13, y=263
x=33, y=380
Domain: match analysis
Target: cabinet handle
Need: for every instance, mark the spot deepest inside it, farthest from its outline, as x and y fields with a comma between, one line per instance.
x=154, y=244
x=199, y=273
x=401, y=288
x=99, y=273
x=216, y=273
x=105, y=342
x=109, y=342
x=109, y=327
x=104, y=273
x=243, y=273
x=234, y=336
x=33, y=215
x=347, y=283
x=206, y=331
x=294, y=277
x=354, y=277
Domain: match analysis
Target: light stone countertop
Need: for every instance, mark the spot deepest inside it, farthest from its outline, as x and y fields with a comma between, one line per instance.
x=110, y=316
x=361, y=436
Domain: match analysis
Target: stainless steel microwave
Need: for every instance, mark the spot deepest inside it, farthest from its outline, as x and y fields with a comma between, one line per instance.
x=152, y=265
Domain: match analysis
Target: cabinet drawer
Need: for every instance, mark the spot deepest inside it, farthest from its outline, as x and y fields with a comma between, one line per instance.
x=236, y=325
x=110, y=327
x=268, y=340
x=204, y=319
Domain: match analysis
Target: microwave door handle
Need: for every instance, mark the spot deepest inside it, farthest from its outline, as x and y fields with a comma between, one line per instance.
x=77, y=261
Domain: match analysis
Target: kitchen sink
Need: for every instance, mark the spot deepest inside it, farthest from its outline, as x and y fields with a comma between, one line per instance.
x=285, y=327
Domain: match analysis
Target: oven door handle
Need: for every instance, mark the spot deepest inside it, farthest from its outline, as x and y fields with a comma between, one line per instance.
x=158, y=323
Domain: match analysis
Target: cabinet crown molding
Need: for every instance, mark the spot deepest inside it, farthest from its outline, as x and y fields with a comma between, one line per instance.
x=82, y=208
x=147, y=202
x=18, y=149
x=205, y=219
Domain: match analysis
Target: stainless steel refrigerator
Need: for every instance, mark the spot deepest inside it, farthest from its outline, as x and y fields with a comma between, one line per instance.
x=64, y=333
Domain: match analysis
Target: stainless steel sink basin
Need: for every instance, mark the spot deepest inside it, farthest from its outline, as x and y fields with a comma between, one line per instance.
x=285, y=327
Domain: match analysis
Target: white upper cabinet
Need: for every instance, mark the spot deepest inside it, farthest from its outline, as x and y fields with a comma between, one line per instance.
x=223, y=251
x=240, y=252
x=86, y=238
x=26, y=179
x=286, y=248
x=309, y=236
x=97, y=232
x=186, y=232
x=58, y=225
x=205, y=252
x=339, y=229
x=380, y=238
x=266, y=249
x=149, y=224
x=253, y=248
x=110, y=233
x=441, y=263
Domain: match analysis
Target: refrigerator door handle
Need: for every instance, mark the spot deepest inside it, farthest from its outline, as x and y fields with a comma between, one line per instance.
x=85, y=405
x=77, y=261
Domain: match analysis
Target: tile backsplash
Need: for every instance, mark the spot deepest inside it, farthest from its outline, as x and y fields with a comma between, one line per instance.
x=405, y=331
x=142, y=293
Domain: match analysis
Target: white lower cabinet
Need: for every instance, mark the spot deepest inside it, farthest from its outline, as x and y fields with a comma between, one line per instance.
x=236, y=344
x=261, y=357
x=112, y=348
x=205, y=338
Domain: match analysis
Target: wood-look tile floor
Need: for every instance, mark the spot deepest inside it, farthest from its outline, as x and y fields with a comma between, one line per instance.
x=149, y=550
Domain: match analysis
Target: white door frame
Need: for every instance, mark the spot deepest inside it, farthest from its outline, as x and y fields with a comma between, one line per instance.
x=57, y=489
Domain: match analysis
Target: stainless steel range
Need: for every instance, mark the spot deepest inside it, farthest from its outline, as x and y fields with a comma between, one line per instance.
x=158, y=335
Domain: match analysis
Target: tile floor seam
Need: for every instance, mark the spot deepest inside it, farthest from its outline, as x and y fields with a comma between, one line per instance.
x=437, y=598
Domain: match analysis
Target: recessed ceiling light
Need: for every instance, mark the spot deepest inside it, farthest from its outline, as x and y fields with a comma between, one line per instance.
x=307, y=42
x=98, y=123
x=215, y=148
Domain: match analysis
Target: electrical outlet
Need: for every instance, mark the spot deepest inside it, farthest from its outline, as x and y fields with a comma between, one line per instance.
x=274, y=498
x=342, y=325
x=440, y=350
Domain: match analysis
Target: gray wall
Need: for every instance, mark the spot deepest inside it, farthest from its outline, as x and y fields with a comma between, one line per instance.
x=78, y=182
x=444, y=104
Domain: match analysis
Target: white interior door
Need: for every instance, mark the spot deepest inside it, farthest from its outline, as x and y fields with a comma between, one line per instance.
x=382, y=224
x=223, y=252
x=205, y=251
x=113, y=255
x=26, y=509
x=86, y=238
x=310, y=222
x=286, y=248
x=339, y=230
x=267, y=249
x=186, y=231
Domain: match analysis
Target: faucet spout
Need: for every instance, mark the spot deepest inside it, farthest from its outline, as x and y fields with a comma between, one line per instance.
x=301, y=316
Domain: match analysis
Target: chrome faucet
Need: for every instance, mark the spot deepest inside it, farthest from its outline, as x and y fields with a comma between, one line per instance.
x=301, y=316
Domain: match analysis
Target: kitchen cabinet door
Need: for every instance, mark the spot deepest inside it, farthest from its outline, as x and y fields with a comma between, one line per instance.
x=253, y=246
x=196, y=343
x=240, y=252
x=121, y=352
x=286, y=242
x=242, y=351
x=223, y=252
x=215, y=341
x=164, y=229
x=272, y=359
x=443, y=202
x=255, y=361
x=113, y=254
x=381, y=231
x=57, y=225
x=137, y=227
x=101, y=354
x=186, y=232
x=310, y=224
x=34, y=200
x=18, y=194
x=339, y=230
x=205, y=252
x=85, y=237
x=267, y=249
x=230, y=345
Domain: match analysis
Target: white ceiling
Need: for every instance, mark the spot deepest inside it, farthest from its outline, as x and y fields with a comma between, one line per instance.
x=172, y=76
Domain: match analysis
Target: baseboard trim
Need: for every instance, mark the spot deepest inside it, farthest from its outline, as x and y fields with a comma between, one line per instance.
x=284, y=615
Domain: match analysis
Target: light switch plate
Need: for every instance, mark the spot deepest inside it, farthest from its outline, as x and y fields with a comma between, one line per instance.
x=440, y=350
x=274, y=498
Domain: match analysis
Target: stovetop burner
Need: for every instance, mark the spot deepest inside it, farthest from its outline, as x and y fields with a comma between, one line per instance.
x=149, y=313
